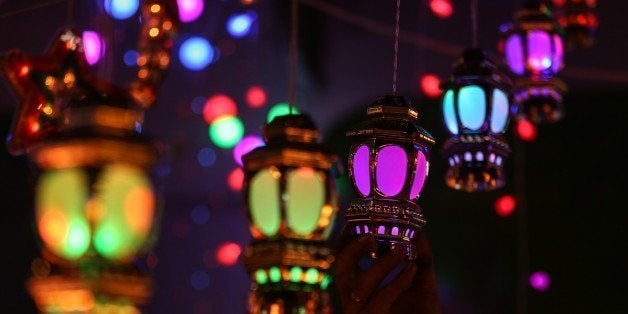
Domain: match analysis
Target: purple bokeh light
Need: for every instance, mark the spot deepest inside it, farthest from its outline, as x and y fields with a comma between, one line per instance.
x=361, y=173
x=190, y=10
x=246, y=145
x=391, y=169
x=93, y=47
x=539, y=50
x=419, y=175
x=540, y=281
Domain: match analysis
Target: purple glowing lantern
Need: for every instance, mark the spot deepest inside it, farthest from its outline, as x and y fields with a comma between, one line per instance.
x=476, y=111
x=533, y=50
x=388, y=164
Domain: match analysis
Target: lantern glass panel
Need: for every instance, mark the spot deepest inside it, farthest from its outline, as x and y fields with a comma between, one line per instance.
x=127, y=204
x=391, y=169
x=514, y=54
x=419, y=175
x=306, y=196
x=472, y=106
x=361, y=173
x=449, y=112
x=499, y=113
x=558, y=54
x=61, y=197
x=539, y=50
x=264, y=201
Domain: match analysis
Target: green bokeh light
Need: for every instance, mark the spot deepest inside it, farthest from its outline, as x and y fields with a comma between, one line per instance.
x=311, y=276
x=225, y=132
x=325, y=282
x=296, y=273
x=280, y=109
x=261, y=277
x=275, y=274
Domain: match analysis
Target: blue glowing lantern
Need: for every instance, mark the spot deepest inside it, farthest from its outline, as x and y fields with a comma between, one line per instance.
x=476, y=113
x=533, y=50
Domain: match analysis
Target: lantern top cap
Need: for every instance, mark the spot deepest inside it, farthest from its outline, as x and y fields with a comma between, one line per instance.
x=535, y=15
x=291, y=128
x=392, y=105
x=475, y=64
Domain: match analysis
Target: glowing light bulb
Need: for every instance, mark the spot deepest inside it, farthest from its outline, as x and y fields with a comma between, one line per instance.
x=240, y=24
x=228, y=253
x=121, y=9
x=235, y=179
x=441, y=8
x=196, y=53
x=526, y=130
x=190, y=10
x=505, y=205
x=430, y=85
x=540, y=281
x=93, y=47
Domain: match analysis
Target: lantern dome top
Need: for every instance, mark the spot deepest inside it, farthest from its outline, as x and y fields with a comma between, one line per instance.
x=535, y=16
x=291, y=128
x=475, y=64
x=392, y=117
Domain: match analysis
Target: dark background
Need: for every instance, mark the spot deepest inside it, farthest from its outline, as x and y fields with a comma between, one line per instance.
x=575, y=171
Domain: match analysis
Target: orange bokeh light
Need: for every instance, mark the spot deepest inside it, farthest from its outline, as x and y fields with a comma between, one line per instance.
x=53, y=227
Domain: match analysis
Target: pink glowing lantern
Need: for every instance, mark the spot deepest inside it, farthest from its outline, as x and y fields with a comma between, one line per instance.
x=540, y=281
x=93, y=46
x=246, y=145
x=190, y=10
x=388, y=165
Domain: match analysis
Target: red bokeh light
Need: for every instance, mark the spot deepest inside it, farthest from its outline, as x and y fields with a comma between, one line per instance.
x=219, y=105
x=442, y=8
x=505, y=205
x=256, y=97
x=235, y=179
x=526, y=130
x=228, y=253
x=430, y=85
x=24, y=70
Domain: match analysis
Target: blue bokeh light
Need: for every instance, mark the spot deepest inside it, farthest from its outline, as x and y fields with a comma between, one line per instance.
x=198, y=103
x=200, y=214
x=196, y=53
x=199, y=280
x=121, y=9
x=240, y=24
x=130, y=57
x=206, y=157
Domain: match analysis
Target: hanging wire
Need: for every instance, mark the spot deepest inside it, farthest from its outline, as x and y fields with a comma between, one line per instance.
x=396, y=49
x=30, y=8
x=474, y=23
x=294, y=34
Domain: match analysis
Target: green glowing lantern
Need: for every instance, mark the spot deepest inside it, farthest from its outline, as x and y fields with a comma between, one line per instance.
x=291, y=202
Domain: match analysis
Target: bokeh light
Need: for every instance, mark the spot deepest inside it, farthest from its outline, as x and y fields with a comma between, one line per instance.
x=228, y=253
x=505, y=205
x=199, y=280
x=256, y=97
x=540, y=281
x=93, y=47
x=121, y=9
x=196, y=53
x=430, y=85
x=226, y=131
x=441, y=8
x=217, y=106
x=280, y=109
x=200, y=214
x=130, y=57
x=240, y=24
x=190, y=10
x=235, y=179
x=206, y=157
x=247, y=144
x=526, y=130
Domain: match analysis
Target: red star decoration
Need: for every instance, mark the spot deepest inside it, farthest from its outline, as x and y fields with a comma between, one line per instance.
x=45, y=86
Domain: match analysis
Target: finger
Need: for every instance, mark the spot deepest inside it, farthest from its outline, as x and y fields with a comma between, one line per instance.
x=347, y=259
x=371, y=278
x=346, y=236
x=385, y=297
x=424, y=289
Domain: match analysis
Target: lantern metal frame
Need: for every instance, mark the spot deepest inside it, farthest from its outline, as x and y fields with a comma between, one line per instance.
x=579, y=20
x=392, y=121
x=292, y=142
x=538, y=94
x=476, y=157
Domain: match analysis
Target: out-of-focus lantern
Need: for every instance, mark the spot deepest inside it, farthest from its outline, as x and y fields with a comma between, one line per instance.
x=476, y=111
x=291, y=201
x=579, y=20
x=388, y=164
x=533, y=49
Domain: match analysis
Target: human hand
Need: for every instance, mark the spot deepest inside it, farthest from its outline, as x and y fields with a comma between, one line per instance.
x=413, y=290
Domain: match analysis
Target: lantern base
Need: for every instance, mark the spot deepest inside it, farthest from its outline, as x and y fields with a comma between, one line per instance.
x=289, y=302
x=392, y=223
x=475, y=162
x=541, y=101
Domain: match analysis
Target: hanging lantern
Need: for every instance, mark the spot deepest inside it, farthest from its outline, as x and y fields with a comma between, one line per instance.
x=579, y=20
x=476, y=112
x=533, y=49
x=291, y=202
x=388, y=164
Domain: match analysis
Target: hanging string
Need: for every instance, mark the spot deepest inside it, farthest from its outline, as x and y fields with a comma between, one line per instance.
x=396, y=49
x=294, y=33
x=30, y=8
x=474, y=23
